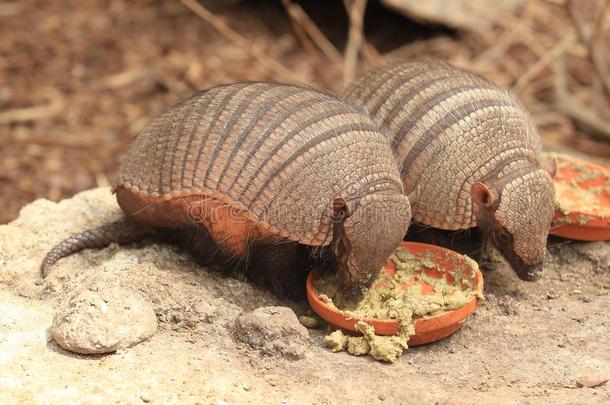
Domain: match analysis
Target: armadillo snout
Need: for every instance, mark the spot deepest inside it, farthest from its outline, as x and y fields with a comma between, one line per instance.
x=530, y=273
x=371, y=233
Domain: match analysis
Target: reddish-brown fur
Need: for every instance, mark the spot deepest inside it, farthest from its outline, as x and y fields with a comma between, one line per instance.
x=230, y=227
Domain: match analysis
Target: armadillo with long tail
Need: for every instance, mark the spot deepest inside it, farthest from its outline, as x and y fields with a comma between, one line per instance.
x=470, y=151
x=254, y=172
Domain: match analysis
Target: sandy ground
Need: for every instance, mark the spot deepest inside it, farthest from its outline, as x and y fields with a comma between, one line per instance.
x=527, y=343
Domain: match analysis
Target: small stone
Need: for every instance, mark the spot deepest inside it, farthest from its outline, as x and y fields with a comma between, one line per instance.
x=586, y=299
x=381, y=397
x=203, y=311
x=30, y=291
x=104, y=321
x=275, y=331
x=551, y=295
x=591, y=382
x=309, y=321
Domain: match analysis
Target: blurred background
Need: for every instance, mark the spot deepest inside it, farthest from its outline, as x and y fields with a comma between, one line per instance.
x=80, y=79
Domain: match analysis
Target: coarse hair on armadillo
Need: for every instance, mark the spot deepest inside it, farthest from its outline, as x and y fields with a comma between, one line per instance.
x=448, y=129
x=279, y=153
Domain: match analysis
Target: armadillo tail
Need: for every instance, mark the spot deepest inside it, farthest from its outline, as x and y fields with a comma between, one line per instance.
x=123, y=231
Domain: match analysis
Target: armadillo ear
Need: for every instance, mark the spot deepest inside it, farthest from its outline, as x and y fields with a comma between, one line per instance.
x=550, y=165
x=482, y=195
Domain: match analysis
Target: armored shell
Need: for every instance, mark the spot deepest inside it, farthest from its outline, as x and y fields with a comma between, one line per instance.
x=448, y=128
x=255, y=160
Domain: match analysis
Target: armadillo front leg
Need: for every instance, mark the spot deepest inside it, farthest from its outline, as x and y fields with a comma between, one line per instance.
x=123, y=231
x=490, y=257
x=284, y=266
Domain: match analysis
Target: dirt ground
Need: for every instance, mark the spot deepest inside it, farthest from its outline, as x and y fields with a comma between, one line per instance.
x=526, y=343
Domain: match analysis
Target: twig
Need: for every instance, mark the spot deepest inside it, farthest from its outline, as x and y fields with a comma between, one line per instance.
x=544, y=61
x=371, y=54
x=54, y=107
x=578, y=24
x=513, y=29
x=568, y=105
x=596, y=48
x=124, y=78
x=593, y=41
x=583, y=118
x=319, y=65
x=248, y=47
x=322, y=42
x=355, y=10
x=63, y=141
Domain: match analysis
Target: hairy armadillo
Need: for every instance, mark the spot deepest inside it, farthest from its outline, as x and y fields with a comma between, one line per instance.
x=256, y=170
x=471, y=152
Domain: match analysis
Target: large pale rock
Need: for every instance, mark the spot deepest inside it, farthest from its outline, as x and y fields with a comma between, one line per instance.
x=275, y=331
x=470, y=15
x=104, y=321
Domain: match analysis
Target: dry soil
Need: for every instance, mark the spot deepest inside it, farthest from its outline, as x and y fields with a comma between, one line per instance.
x=526, y=343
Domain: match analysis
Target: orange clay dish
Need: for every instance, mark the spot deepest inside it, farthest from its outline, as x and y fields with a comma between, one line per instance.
x=423, y=294
x=582, y=193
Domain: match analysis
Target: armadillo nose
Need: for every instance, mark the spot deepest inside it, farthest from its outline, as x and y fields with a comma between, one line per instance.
x=531, y=273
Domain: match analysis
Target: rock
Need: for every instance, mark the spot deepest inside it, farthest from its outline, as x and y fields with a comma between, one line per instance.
x=104, y=321
x=591, y=382
x=309, y=322
x=275, y=331
x=470, y=15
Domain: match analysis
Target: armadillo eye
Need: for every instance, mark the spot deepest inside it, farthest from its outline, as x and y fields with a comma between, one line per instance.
x=504, y=237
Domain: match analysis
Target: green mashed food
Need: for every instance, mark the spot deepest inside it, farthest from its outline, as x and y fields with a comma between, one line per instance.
x=399, y=296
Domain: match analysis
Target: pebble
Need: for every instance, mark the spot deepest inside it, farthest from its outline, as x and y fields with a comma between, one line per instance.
x=309, y=321
x=591, y=382
x=104, y=321
x=275, y=331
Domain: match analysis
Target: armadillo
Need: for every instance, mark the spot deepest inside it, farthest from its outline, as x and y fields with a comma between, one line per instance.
x=251, y=172
x=470, y=151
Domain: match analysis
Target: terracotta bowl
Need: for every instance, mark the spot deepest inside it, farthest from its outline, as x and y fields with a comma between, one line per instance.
x=428, y=329
x=581, y=220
